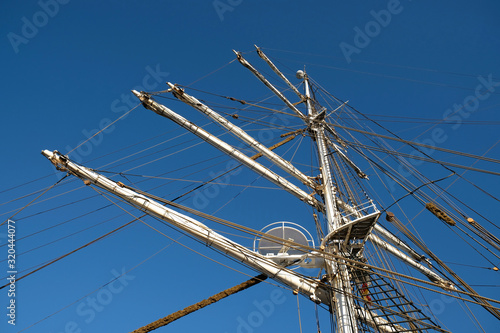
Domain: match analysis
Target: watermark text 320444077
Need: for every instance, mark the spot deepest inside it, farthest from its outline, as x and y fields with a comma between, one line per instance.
x=11, y=271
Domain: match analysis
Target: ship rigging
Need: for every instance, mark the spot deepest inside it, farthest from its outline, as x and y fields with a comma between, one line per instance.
x=345, y=267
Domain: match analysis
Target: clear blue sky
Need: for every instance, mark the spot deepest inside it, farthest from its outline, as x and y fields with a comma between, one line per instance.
x=68, y=67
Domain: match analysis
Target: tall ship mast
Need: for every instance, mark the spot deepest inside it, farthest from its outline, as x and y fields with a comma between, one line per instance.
x=347, y=267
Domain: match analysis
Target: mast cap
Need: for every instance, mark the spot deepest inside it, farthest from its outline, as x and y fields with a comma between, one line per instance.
x=300, y=74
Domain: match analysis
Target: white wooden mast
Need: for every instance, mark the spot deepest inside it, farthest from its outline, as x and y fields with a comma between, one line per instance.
x=275, y=69
x=342, y=301
x=268, y=84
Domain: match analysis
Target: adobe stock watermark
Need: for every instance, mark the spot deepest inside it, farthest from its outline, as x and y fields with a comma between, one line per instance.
x=222, y=6
x=202, y=198
x=90, y=307
x=455, y=116
x=31, y=26
x=150, y=82
x=437, y=305
x=11, y=272
x=373, y=28
x=263, y=310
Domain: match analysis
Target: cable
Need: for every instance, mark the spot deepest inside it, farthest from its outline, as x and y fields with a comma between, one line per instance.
x=417, y=144
x=75, y=250
x=29, y=203
x=104, y=128
x=383, y=64
x=104, y=285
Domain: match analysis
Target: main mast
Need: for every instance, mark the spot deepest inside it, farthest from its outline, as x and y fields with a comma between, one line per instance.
x=349, y=221
x=337, y=273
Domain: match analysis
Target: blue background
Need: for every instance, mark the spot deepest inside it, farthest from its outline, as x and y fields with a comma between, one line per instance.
x=74, y=72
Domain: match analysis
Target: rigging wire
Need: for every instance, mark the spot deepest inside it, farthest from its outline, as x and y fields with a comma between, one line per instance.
x=58, y=224
x=64, y=237
x=423, y=201
x=191, y=180
x=63, y=223
x=383, y=64
x=120, y=150
x=412, y=143
x=396, y=137
x=25, y=183
x=94, y=159
x=394, y=77
x=81, y=200
x=487, y=193
x=400, y=274
x=29, y=203
x=348, y=262
x=32, y=193
x=474, y=266
x=429, y=199
x=184, y=234
x=408, y=119
x=104, y=128
x=298, y=310
x=466, y=225
x=416, y=189
x=288, y=139
x=148, y=148
x=211, y=73
x=74, y=251
x=101, y=287
x=456, y=208
x=411, y=156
